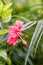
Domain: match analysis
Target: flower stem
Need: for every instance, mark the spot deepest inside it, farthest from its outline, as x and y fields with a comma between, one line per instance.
x=20, y=37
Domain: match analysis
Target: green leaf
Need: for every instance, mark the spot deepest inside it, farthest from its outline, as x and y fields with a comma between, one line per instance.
x=1, y=6
x=35, y=40
x=3, y=54
x=6, y=16
x=3, y=31
x=34, y=8
x=3, y=37
x=8, y=61
x=7, y=19
x=6, y=13
x=7, y=6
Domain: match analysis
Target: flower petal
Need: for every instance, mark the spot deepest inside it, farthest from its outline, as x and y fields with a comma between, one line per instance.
x=12, y=40
x=19, y=24
x=12, y=30
x=24, y=42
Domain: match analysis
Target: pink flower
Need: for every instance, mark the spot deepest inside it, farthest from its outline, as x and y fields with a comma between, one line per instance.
x=14, y=32
x=19, y=24
x=24, y=42
x=12, y=40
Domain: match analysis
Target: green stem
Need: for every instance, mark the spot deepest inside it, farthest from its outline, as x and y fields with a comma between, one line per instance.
x=20, y=37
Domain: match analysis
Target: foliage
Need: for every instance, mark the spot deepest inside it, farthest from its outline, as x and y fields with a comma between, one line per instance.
x=31, y=12
x=5, y=11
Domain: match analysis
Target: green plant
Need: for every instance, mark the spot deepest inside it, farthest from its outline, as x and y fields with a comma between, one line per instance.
x=30, y=14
